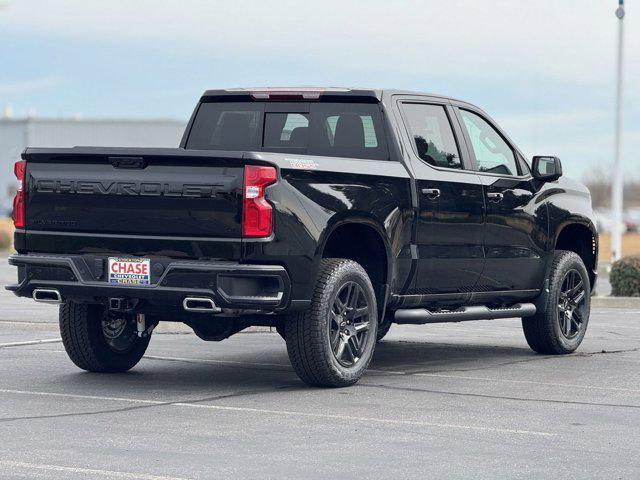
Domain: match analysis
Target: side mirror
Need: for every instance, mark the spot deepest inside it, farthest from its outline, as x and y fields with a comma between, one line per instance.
x=546, y=169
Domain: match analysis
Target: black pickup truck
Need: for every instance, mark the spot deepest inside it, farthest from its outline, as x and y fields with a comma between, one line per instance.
x=328, y=214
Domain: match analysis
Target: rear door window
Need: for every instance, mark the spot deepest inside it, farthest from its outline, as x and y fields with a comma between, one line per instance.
x=432, y=135
x=327, y=129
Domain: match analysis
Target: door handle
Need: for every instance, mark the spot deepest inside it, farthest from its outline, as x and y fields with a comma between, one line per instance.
x=495, y=196
x=431, y=193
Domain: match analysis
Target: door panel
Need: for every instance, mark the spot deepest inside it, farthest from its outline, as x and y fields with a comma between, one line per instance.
x=515, y=235
x=449, y=225
x=449, y=232
x=515, y=228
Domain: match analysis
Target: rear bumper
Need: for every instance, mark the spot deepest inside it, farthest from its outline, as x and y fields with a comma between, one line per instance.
x=230, y=285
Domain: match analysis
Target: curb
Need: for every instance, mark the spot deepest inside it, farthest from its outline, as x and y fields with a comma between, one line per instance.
x=181, y=328
x=615, y=302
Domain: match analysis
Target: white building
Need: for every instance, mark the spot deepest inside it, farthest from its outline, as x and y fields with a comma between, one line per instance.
x=16, y=134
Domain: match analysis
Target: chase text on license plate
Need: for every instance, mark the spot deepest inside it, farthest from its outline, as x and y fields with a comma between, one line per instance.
x=129, y=271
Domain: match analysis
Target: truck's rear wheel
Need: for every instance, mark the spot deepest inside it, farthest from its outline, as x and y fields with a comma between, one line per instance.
x=99, y=341
x=331, y=344
x=560, y=327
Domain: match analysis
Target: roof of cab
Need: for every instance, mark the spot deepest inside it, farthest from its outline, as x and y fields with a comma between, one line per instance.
x=305, y=94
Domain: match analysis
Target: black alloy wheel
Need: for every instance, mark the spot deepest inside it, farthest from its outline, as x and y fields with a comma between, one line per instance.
x=349, y=326
x=571, y=304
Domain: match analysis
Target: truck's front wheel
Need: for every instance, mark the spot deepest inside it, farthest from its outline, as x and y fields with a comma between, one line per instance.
x=561, y=324
x=99, y=341
x=331, y=344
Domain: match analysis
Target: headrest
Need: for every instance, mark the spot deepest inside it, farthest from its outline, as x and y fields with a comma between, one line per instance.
x=299, y=137
x=421, y=145
x=349, y=131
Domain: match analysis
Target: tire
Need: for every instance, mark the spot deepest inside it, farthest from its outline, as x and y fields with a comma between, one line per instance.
x=559, y=328
x=94, y=347
x=329, y=345
x=385, y=325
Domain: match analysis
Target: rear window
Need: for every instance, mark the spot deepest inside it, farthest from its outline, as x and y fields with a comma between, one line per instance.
x=227, y=126
x=329, y=129
x=286, y=130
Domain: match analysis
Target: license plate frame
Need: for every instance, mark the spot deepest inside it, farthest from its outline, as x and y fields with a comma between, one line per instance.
x=129, y=271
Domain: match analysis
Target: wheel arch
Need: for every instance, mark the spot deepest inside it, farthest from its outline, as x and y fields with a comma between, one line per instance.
x=580, y=236
x=362, y=239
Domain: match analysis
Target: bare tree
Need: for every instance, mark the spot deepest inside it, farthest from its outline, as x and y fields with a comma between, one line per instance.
x=598, y=180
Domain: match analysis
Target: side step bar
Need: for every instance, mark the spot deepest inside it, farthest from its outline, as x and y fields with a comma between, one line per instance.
x=419, y=316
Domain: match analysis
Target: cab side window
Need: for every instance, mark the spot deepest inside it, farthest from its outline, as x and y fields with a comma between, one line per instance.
x=432, y=135
x=493, y=154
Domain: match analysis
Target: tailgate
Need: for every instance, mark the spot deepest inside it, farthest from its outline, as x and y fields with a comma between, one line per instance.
x=134, y=192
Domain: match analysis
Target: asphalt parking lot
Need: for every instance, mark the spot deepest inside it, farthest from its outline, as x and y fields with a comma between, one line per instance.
x=444, y=401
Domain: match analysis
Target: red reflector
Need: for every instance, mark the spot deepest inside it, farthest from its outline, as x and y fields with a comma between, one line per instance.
x=257, y=213
x=18, y=200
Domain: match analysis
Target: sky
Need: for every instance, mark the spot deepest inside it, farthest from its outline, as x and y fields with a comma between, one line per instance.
x=544, y=70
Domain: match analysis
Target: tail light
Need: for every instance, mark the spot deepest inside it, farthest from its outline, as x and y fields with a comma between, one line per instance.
x=18, y=200
x=257, y=213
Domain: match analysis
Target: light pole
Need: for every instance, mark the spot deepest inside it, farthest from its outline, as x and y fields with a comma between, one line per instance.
x=617, y=185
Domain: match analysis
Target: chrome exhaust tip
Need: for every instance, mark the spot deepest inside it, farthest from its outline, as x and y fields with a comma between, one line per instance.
x=200, y=304
x=47, y=295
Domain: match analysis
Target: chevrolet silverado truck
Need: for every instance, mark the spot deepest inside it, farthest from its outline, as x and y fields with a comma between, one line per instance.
x=328, y=214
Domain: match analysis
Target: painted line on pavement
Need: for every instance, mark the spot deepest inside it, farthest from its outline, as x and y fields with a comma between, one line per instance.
x=84, y=471
x=290, y=413
x=213, y=362
x=32, y=342
x=527, y=382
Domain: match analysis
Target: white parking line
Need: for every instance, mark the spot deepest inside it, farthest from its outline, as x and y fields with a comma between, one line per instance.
x=213, y=362
x=32, y=342
x=371, y=419
x=87, y=397
x=528, y=382
x=25, y=322
x=377, y=371
x=290, y=413
x=84, y=471
x=611, y=310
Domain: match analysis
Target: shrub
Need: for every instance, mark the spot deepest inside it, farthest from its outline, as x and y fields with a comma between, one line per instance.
x=6, y=234
x=625, y=277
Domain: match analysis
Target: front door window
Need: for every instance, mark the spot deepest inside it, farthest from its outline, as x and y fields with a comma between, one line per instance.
x=493, y=154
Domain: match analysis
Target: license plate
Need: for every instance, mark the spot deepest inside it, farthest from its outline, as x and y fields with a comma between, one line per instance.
x=130, y=271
